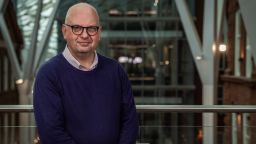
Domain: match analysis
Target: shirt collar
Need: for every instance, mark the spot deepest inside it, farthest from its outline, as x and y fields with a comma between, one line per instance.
x=68, y=56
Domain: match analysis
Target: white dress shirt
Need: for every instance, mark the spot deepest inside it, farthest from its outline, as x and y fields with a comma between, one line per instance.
x=72, y=60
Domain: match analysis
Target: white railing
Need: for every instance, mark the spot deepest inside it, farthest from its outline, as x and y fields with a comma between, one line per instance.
x=158, y=108
x=9, y=113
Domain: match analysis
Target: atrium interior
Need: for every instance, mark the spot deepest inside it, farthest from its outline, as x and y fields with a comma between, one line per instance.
x=187, y=55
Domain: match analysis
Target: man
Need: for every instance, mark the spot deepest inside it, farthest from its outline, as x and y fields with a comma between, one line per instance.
x=80, y=96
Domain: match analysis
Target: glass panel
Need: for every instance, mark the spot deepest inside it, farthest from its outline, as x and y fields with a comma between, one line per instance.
x=155, y=128
x=146, y=37
x=17, y=128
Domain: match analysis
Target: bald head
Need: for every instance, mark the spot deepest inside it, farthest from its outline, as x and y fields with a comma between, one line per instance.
x=81, y=8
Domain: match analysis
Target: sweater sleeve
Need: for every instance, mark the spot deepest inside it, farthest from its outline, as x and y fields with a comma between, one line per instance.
x=129, y=118
x=48, y=109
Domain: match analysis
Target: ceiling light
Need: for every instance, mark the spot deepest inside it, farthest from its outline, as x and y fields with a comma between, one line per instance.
x=123, y=59
x=137, y=60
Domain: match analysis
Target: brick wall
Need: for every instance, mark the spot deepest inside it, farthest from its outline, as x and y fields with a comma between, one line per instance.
x=237, y=90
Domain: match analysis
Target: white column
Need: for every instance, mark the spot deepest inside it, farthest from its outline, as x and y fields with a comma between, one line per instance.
x=205, y=66
x=24, y=117
x=248, y=65
x=208, y=118
x=234, y=128
x=208, y=70
x=246, y=128
x=237, y=44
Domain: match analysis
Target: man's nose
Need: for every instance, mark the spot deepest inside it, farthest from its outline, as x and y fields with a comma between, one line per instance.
x=84, y=34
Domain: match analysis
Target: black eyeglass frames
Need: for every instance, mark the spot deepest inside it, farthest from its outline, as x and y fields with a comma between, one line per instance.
x=78, y=30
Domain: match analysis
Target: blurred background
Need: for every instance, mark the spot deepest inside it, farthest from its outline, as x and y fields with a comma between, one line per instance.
x=176, y=53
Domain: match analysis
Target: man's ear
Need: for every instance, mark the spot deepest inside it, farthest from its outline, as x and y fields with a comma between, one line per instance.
x=63, y=29
x=100, y=31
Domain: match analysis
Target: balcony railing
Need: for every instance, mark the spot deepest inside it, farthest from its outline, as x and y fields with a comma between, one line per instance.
x=159, y=124
x=159, y=108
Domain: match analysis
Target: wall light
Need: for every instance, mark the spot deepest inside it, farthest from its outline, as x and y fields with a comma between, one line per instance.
x=19, y=81
x=167, y=62
x=222, y=48
x=239, y=119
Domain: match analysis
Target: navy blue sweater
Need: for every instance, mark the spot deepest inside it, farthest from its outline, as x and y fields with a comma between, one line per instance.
x=84, y=107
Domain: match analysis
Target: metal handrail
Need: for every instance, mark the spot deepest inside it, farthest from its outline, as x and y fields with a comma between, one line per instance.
x=158, y=108
x=163, y=87
x=197, y=108
x=16, y=108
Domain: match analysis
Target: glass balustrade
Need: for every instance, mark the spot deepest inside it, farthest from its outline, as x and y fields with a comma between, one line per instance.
x=159, y=124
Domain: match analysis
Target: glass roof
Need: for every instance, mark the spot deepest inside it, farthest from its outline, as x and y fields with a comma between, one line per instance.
x=26, y=14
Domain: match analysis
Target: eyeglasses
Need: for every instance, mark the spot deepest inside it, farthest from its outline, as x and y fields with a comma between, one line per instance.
x=78, y=30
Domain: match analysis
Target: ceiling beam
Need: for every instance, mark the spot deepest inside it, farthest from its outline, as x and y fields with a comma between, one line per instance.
x=28, y=71
x=44, y=41
x=220, y=16
x=207, y=65
x=190, y=31
x=1, y=5
x=10, y=47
